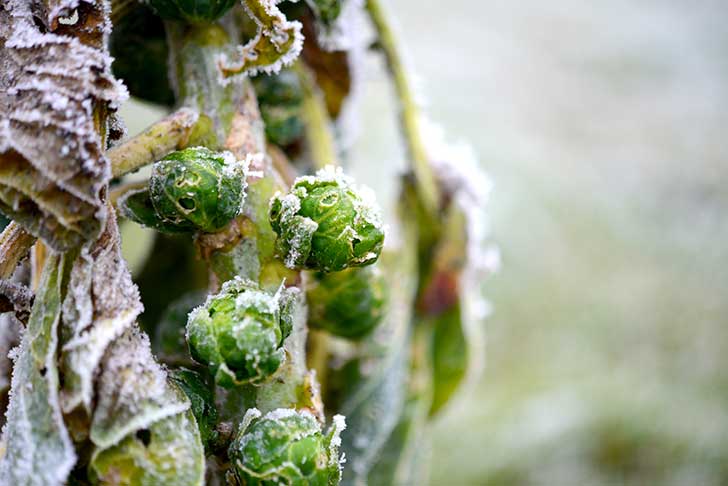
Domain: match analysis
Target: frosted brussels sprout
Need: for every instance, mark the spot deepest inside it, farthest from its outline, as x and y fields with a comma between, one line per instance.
x=195, y=189
x=349, y=304
x=325, y=223
x=286, y=446
x=239, y=333
x=198, y=188
x=193, y=11
x=202, y=402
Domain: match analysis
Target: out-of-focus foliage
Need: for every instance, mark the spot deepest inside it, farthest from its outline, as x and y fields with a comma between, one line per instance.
x=348, y=303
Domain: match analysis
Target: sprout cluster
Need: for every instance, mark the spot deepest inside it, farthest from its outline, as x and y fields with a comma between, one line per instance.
x=286, y=447
x=195, y=189
x=325, y=223
x=349, y=304
x=193, y=11
x=239, y=333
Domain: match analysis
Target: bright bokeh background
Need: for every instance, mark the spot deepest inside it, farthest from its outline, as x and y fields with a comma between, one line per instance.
x=602, y=125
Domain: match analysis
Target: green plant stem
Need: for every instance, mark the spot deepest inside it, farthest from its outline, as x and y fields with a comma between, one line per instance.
x=15, y=243
x=170, y=133
x=409, y=112
x=316, y=119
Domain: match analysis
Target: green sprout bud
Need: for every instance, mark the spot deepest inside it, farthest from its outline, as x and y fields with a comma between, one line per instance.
x=198, y=189
x=280, y=97
x=202, y=402
x=349, y=304
x=192, y=11
x=239, y=333
x=324, y=223
x=286, y=447
x=190, y=190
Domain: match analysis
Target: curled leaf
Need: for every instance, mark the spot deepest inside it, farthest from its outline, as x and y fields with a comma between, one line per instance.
x=277, y=42
x=55, y=89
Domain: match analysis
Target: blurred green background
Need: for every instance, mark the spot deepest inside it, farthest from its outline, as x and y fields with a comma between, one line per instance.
x=602, y=125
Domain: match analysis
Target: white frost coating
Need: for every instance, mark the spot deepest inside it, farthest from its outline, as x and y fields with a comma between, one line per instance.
x=133, y=391
x=100, y=304
x=273, y=29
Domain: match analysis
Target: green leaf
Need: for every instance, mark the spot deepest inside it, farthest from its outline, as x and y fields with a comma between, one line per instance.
x=38, y=447
x=168, y=452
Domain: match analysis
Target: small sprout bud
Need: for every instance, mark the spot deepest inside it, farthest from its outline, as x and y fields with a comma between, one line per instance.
x=202, y=402
x=198, y=189
x=286, y=446
x=325, y=223
x=280, y=97
x=349, y=304
x=192, y=11
x=239, y=333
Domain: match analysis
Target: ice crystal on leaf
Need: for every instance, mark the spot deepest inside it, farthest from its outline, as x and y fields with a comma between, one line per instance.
x=277, y=43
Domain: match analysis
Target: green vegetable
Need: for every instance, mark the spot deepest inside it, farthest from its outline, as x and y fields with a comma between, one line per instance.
x=348, y=303
x=192, y=11
x=239, y=333
x=202, y=401
x=324, y=223
x=194, y=189
x=280, y=97
x=286, y=446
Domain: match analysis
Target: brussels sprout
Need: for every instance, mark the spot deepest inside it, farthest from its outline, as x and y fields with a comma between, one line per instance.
x=280, y=97
x=239, y=333
x=349, y=304
x=286, y=446
x=202, y=402
x=194, y=189
x=324, y=223
x=193, y=11
x=198, y=188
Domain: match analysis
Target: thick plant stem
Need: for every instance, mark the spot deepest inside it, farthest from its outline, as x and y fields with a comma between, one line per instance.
x=317, y=122
x=427, y=187
x=15, y=243
x=170, y=133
